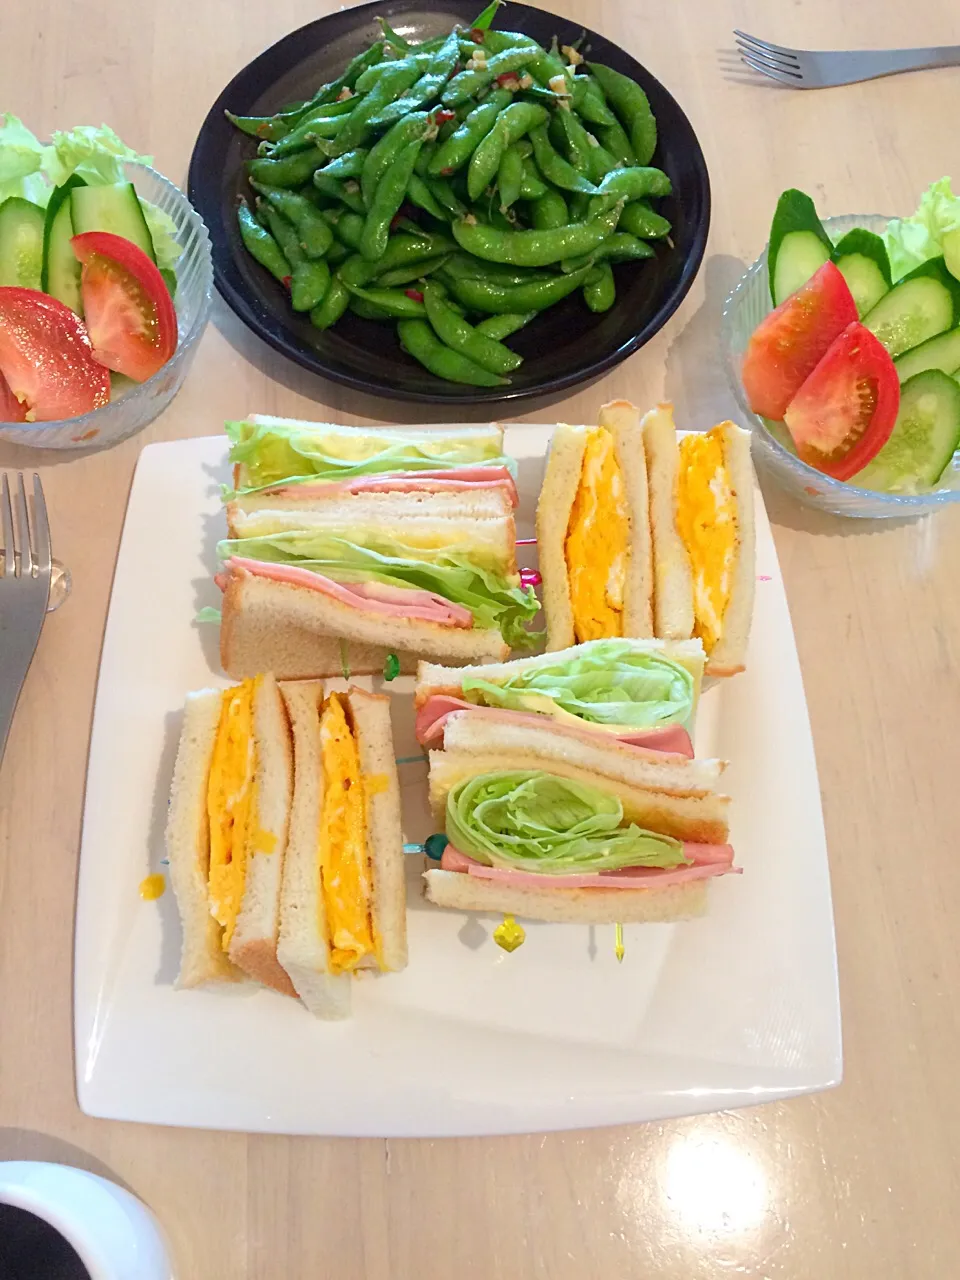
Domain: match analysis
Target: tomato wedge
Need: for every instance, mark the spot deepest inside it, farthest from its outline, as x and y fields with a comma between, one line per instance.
x=11, y=410
x=844, y=413
x=45, y=357
x=128, y=308
x=786, y=345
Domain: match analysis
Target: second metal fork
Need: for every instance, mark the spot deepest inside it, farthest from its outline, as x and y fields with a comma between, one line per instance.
x=24, y=591
x=822, y=69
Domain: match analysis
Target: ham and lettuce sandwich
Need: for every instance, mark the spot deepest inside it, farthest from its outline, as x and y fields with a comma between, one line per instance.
x=547, y=828
x=349, y=581
x=638, y=692
x=643, y=533
x=282, y=462
x=284, y=842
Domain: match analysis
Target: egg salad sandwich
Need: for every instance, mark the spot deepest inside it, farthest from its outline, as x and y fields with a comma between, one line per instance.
x=284, y=841
x=282, y=462
x=226, y=835
x=343, y=902
x=702, y=520
x=346, y=582
x=638, y=692
x=547, y=828
x=593, y=531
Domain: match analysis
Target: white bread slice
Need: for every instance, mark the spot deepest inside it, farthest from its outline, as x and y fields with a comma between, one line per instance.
x=730, y=651
x=375, y=508
x=378, y=766
x=266, y=625
x=432, y=678
x=672, y=580
x=253, y=946
x=561, y=479
x=466, y=731
x=622, y=420
x=202, y=958
x=303, y=946
x=494, y=539
x=462, y=892
x=699, y=818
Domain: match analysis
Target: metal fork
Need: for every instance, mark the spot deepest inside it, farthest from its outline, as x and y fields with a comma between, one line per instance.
x=809, y=69
x=24, y=591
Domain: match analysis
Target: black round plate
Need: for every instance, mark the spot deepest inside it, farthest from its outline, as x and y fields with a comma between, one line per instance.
x=567, y=344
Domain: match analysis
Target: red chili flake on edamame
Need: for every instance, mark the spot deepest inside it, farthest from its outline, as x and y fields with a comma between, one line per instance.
x=415, y=294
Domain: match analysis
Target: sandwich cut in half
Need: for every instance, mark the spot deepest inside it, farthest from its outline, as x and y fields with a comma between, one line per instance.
x=226, y=833
x=281, y=462
x=638, y=692
x=284, y=840
x=343, y=904
x=702, y=520
x=593, y=532
x=344, y=583
x=547, y=828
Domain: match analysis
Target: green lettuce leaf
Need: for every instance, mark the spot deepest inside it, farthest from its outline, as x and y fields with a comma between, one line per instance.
x=608, y=682
x=269, y=453
x=933, y=230
x=21, y=163
x=492, y=600
x=533, y=821
x=163, y=232
x=96, y=154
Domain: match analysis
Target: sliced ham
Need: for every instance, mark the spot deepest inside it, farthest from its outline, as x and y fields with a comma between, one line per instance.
x=451, y=480
x=373, y=597
x=627, y=878
x=669, y=742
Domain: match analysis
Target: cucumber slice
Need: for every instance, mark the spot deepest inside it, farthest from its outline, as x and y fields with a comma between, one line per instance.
x=111, y=208
x=21, y=243
x=60, y=276
x=861, y=259
x=924, y=439
x=941, y=352
x=918, y=307
x=799, y=246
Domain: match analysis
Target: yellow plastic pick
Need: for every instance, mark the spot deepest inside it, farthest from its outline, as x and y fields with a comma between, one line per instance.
x=619, y=948
x=509, y=934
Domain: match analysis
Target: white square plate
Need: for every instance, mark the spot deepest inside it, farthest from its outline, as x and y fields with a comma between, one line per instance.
x=739, y=1007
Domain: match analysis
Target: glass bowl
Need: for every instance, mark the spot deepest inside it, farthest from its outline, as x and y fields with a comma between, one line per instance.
x=742, y=312
x=132, y=410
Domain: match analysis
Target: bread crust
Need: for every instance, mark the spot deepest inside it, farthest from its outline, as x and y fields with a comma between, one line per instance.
x=461, y=892
x=730, y=652
x=560, y=483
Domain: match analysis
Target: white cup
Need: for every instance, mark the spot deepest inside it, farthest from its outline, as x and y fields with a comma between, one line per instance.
x=115, y=1234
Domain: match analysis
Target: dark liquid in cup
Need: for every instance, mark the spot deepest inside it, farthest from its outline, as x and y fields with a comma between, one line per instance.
x=30, y=1249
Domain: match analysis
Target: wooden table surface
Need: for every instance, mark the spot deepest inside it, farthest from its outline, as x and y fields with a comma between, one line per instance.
x=861, y=1182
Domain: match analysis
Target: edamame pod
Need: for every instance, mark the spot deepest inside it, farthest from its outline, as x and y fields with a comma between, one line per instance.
x=313, y=231
x=460, y=336
x=535, y=295
x=387, y=200
x=394, y=303
x=419, y=340
x=502, y=326
x=382, y=155
x=291, y=171
x=334, y=304
x=261, y=245
x=534, y=248
x=600, y=291
x=550, y=211
x=428, y=86
x=553, y=166
x=510, y=176
x=632, y=106
x=467, y=83
x=454, y=153
x=640, y=220
x=512, y=124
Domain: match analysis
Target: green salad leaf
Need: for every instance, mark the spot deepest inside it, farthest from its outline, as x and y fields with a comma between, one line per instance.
x=32, y=169
x=21, y=162
x=450, y=573
x=96, y=154
x=607, y=682
x=933, y=230
x=533, y=821
x=271, y=452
